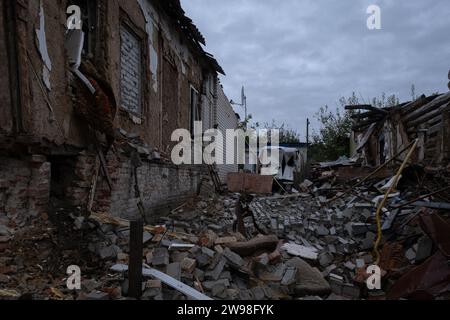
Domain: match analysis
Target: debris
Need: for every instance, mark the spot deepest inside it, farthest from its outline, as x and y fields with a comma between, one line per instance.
x=309, y=253
x=309, y=280
x=261, y=243
x=233, y=258
x=188, y=265
x=149, y=272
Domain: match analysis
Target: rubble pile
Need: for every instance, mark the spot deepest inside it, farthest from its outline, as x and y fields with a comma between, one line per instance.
x=314, y=244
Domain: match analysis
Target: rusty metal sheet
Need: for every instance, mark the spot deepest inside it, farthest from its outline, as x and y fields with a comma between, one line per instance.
x=249, y=183
x=439, y=231
x=426, y=281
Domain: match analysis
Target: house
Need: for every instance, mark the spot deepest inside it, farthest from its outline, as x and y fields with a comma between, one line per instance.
x=90, y=126
x=380, y=134
x=225, y=119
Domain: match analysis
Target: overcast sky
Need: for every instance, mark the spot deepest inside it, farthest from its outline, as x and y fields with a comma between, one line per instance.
x=294, y=56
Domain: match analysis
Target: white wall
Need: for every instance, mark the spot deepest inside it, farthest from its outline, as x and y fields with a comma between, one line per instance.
x=225, y=118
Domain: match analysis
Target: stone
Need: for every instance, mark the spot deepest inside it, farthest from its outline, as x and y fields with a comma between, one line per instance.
x=153, y=284
x=350, y=265
x=199, y=274
x=309, y=280
x=122, y=256
x=225, y=240
x=232, y=294
x=174, y=270
x=178, y=256
x=210, y=253
x=309, y=253
x=246, y=295
x=5, y=231
x=359, y=228
x=217, y=271
x=233, y=258
x=258, y=293
x=215, y=227
x=325, y=259
x=217, y=289
x=97, y=295
x=360, y=263
x=146, y=237
x=160, y=257
x=188, y=265
x=263, y=259
x=89, y=285
x=351, y=291
x=424, y=248
x=410, y=254
x=275, y=257
x=322, y=231
x=208, y=285
x=202, y=260
x=108, y=253
x=289, y=277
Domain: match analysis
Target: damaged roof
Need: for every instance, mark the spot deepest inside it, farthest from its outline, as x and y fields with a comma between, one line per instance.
x=178, y=15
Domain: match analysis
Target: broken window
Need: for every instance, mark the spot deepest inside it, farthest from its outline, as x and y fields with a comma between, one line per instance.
x=89, y=24
x=195, y=112
x=130, y=70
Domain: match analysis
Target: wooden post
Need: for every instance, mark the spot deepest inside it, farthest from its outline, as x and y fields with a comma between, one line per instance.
x=135, y=267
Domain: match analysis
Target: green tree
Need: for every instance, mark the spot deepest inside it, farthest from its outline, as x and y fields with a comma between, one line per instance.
x=333, y=138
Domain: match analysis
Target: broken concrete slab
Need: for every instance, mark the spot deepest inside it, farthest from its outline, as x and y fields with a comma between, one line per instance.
x=309, y=280
x=233, y=258
x=309, y=253
x=160, y=257
x=217, y=271
x=174, y=270
x=188, y=265
x=290, y=276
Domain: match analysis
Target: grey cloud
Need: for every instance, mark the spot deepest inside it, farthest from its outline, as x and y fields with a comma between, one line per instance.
x=294, y=56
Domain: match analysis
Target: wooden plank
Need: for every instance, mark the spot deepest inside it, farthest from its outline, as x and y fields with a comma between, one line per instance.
x=136, y=247
x=149, y=272
x=443, y=99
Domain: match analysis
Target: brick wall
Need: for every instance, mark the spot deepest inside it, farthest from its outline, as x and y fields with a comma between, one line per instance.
x=162, y=186
x=24, y=189
x=130, y=72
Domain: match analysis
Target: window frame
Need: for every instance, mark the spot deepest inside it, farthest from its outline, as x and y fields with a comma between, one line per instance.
x=125, y=22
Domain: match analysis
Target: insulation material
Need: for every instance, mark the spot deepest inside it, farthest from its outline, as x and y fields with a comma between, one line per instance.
x=43, y=50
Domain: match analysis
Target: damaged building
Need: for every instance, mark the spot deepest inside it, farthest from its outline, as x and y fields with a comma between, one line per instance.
x=95, y=132
x=381, y=133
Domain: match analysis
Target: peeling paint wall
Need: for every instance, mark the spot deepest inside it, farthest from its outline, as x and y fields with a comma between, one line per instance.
x=43, y=50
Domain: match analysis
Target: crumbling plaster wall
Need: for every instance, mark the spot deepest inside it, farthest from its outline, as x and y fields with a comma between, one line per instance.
x=162, y=39
x=52, y=115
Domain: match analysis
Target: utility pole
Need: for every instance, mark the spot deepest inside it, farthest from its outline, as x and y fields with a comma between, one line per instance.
x=307, y=132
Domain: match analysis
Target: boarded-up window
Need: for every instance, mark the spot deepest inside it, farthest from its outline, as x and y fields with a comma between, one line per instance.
x=130, y=71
